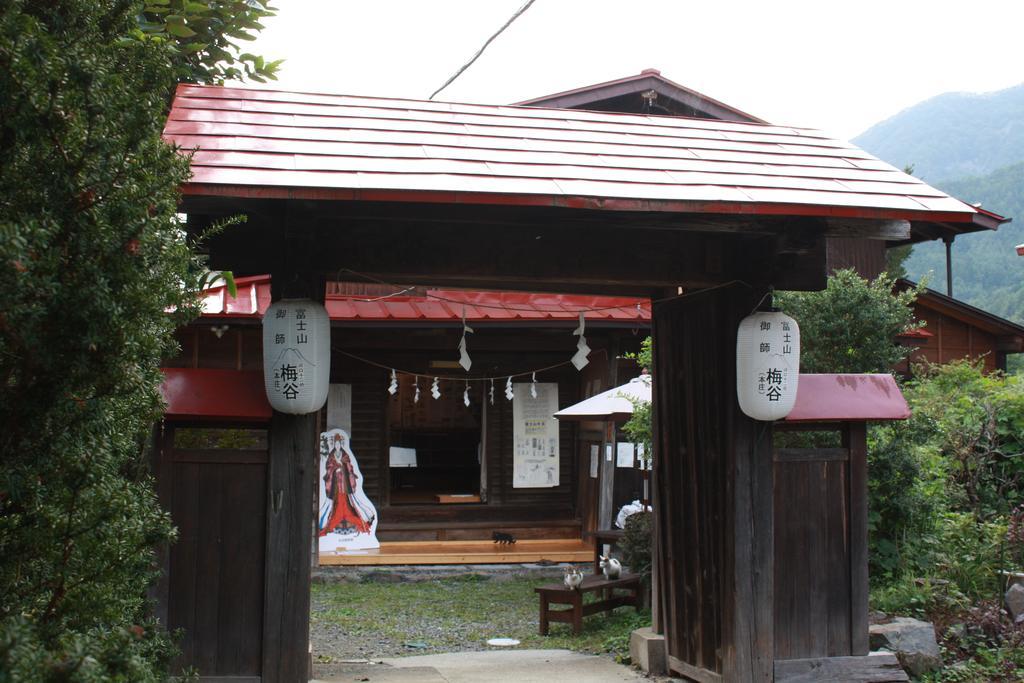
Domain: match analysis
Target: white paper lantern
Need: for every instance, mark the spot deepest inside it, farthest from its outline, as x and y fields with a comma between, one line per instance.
x=296, y=355
x=767, y=365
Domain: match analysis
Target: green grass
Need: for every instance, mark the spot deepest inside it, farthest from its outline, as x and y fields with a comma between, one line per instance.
x=457, y=613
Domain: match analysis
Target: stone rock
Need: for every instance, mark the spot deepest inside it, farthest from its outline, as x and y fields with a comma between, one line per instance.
x=912, y=641
x=1015, y=602
x=647, y=651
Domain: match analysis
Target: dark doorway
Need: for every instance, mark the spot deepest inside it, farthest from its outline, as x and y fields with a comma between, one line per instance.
x=217, y=499
x=442, y=444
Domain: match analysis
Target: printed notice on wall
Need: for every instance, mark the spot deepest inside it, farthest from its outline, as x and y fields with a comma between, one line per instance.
x=339, y=407
x=623, y=454
x=535, y=436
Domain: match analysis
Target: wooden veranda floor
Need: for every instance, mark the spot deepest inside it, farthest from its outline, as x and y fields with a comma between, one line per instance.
x=466, y=552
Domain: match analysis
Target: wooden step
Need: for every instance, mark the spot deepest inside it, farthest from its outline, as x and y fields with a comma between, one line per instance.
x=465, y=552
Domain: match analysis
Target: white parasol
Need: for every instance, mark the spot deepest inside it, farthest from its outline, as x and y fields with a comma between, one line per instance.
x=612, y=405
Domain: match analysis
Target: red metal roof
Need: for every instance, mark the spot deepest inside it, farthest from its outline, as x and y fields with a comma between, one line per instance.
x=848, y=398
x=275, y=144
x=213, y=394
x=437, y=305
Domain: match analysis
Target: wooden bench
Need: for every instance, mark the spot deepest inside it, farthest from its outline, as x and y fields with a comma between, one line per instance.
x=557, y=594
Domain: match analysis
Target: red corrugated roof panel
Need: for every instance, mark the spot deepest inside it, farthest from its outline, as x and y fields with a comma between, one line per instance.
x=265, y=143
x=215, y=394
x=844, y=398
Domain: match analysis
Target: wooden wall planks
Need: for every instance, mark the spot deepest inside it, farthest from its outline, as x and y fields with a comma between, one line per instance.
x=712, y=488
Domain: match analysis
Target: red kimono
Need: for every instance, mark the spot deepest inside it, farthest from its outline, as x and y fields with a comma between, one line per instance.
x=342, y=484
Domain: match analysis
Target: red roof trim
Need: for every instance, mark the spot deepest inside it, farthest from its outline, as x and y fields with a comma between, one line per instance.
x=193, y=393
x=566, y=201
x=439, y=306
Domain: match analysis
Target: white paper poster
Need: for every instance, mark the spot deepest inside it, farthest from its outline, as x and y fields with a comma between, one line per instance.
x=339, y=407
x=347, y=519
x=595, y=460
x=624, y=455
x=535, y=436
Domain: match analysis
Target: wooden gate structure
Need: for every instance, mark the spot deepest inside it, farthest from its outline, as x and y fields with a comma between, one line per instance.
x=407, y=192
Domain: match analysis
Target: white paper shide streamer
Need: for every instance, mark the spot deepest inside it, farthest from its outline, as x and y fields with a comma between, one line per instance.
x=767, y=365
x=435, y=390
x=464, y=360
x=416, y=388
x=508, y=389
x=465, y=395
x=533, y=386
x=393, y=386
x=580, y=358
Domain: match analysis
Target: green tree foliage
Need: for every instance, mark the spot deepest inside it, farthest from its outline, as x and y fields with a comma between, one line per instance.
x=896, y=260
x=95, y=275
x=638, y=427
x=202, y=38
x=945, y=482
x=851, y=326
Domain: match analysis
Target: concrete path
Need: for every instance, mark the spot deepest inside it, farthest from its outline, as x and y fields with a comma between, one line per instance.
x=507, y=666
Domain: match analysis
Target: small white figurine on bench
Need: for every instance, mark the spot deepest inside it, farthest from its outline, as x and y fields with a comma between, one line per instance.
x=611, y=567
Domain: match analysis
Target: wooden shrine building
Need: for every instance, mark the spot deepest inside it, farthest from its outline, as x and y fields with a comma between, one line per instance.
x=955, y=330
x=703, y=215
x=461, y=488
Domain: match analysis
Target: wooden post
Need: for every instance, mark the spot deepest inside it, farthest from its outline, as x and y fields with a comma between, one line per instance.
x=855, y=439
x=949, y=266
x=483, y=445
x=606, y=471
x=291, y=489
x=712, y=495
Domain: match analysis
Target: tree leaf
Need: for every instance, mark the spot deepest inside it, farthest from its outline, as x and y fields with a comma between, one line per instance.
x=180, y=30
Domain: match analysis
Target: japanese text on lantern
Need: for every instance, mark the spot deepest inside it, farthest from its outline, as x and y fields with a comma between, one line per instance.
x=775, y=345
x=290, y=368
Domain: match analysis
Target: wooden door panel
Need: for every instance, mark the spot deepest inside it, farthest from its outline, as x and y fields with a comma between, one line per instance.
x=812, y=559
x=216, y=567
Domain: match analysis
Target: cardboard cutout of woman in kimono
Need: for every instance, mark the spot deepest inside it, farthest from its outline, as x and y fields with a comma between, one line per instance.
x=347, y=520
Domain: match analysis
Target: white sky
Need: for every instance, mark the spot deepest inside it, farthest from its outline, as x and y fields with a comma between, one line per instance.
x=838, y=66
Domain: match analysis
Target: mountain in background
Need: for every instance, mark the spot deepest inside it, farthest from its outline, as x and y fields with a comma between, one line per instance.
x=987, y=272
x=952, y=136
x=972, y=147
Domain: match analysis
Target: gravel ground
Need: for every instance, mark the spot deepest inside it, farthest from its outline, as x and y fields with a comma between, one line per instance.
x=363, y=615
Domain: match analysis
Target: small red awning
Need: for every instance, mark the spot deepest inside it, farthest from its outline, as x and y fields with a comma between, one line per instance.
x=848, y=398
x=215, y=394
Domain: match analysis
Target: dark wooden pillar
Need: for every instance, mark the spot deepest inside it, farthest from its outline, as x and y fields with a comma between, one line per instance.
x=291, y=488
x=948, y=241
x=713, y=495
x=606, y=468
x=855, y=439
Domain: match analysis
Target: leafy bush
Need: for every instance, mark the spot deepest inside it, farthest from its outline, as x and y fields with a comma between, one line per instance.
x=906, y=490
x=92, y=258
x=636, y=543
x=979, y=430
x=851, y=325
